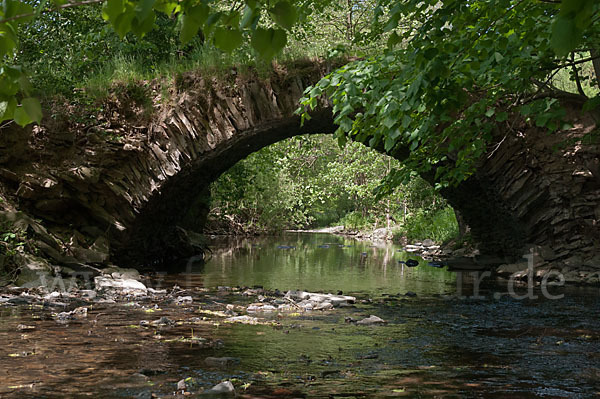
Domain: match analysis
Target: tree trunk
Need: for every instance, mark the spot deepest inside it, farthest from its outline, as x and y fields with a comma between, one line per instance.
x=596, y=63
x=462, y=226
x=349, y=28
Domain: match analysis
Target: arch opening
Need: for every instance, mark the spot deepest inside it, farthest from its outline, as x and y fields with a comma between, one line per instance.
x=310, y=183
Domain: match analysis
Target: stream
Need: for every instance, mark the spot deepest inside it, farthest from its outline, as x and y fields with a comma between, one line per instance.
x=437, y=340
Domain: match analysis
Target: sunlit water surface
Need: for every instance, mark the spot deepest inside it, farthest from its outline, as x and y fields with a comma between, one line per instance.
x=435, y=344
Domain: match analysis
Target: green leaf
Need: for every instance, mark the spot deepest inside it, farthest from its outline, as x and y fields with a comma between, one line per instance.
x=33, y=109
x=143, y=9
x=393, y=39
x=228, y=39
x=268, y=42
x=389, y=143
x=565, y=35
x=431, y=52
x=542, y=119
x=8, y=38
x=122, y=24
x=250, y=17
x=490, y=112
x=140, y=28
x=21, y=117
x=15, y=8
x=284, y=14
x=112, y=9
x=192, y=20
x=7, y=109
x=591, y=104
x=9, y=86
x=167, y=7
x=7, y=45
x=392, y=23
x=501, y=116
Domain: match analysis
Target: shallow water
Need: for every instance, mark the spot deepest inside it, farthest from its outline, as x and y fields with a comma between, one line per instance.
x=434, y=345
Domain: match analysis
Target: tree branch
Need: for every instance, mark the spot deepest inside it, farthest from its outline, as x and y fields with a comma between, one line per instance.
x=572, y=63
x=576, y=75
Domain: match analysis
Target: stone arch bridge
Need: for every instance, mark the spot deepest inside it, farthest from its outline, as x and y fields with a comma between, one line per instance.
x=125, y=179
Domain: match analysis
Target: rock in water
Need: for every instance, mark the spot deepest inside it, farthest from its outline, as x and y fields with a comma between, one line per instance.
x=371, y=320
x=119, y=285
x=224, y=388
x=428, y=243
x=436, y=264
x=411, y=263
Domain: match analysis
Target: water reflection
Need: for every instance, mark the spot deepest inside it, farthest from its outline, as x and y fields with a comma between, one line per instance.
x=321, y=263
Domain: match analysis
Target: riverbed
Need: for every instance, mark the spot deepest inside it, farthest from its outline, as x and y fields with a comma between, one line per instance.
x=438, y=339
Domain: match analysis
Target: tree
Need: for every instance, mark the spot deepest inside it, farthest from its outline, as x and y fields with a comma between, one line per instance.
x=457, y=74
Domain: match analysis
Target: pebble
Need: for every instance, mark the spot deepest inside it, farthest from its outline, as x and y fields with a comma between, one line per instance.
x=181, y=300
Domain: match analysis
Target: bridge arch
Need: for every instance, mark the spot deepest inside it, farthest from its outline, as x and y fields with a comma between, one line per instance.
x=134, y=191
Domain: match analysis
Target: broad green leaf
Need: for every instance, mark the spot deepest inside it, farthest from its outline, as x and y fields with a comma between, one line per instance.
x=112, y=9
x=8, y=38
x=490, y=112
x=250, y=17
x=7, y=109
x=143, y=8
x=9, y=86
x=193, y=19
x=189, y=29
x=284, y=14
x=565, y=35
x=15, y=8
x=228, y=39
x=166, y=6
x=542, y=119
x=268, y=42
x=431, y=52
x=501, y=116
x=389, y=143
x=231, y=19
x=591, y=104
x=33, y=109
x=140, y=28
x=393, y=39
x=7, y=45
x=122, y=24
x=21, y=117
x=392, y=24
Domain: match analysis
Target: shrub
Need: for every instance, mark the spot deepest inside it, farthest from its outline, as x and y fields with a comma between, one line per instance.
x=439, y=225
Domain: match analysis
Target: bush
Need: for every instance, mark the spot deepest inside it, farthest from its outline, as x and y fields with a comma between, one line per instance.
x=354, y=221
x=439, y=226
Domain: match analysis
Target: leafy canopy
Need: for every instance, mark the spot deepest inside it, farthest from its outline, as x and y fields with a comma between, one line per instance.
x=453, y=77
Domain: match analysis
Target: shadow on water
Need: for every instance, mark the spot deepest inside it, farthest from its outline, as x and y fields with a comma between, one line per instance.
x=435, y=344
